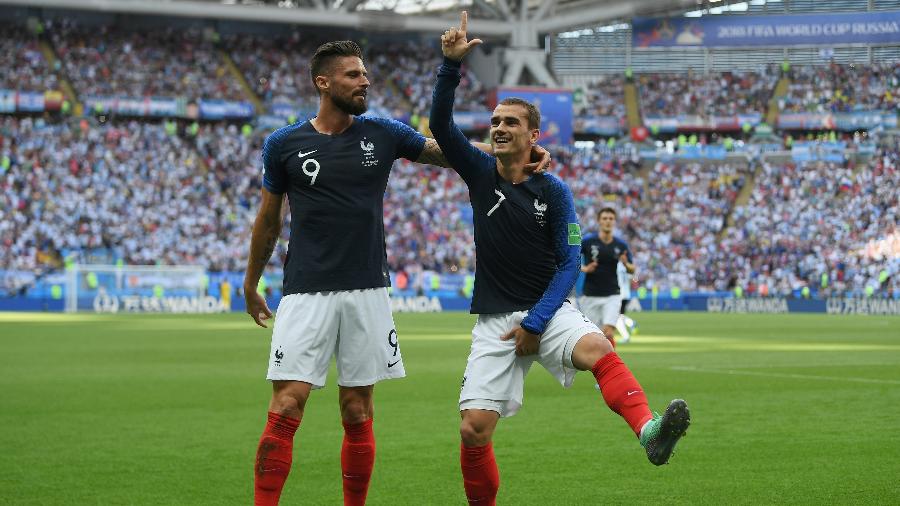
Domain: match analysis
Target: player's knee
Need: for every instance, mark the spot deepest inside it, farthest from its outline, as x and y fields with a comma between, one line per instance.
x=288, y=405
x=289, y=400
x=356, y=408
x=474, y=434
x=590, y=348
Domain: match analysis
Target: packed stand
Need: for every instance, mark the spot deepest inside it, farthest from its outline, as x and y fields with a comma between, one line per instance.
x=428, y=220
x=722, y=94
x=127, y=63
x=414, y=77
x=803, y=222
x=23, y=63
x=130, y=187
x=605, y=97
x=836, y=88
x=277, y=68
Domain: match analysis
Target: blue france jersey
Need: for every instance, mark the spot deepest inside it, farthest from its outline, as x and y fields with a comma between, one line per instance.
x=335, y=186
x=526, y=235
x=604, y=281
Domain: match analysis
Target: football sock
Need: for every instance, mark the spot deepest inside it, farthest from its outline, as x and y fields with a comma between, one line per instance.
x=357, y=460
x=273, y=459
x=480, y=475
x=621, y=391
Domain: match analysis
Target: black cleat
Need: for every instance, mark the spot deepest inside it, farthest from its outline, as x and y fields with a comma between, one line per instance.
x=662, y=432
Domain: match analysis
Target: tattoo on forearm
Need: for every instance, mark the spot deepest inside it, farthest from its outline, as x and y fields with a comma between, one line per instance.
x=268, y=249
x=432, y=154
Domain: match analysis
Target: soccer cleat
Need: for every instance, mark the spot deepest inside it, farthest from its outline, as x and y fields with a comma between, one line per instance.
x=662, y=432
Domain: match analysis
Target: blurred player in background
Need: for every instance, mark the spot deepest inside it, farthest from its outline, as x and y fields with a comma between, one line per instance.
x=602, y=300
x=334, y=169
x=624, y=324
x=527, y=240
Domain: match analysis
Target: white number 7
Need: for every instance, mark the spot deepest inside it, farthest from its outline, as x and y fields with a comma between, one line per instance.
x=502, y=198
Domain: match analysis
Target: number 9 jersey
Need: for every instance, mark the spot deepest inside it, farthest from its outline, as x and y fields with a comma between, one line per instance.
x=335, y=186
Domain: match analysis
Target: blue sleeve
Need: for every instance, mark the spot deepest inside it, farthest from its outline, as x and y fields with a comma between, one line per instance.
x=274, y=176
x=466, y=159
x=566, y=245
x=627, y=250
x=409, y=142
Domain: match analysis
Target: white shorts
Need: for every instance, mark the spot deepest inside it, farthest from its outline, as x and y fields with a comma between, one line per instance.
x=601, y=310
x=355, y=326
x=495, y=377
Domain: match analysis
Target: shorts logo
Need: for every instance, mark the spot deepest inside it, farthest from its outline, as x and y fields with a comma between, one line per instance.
x=278, y=356
x=394, y=343
x=463, y=382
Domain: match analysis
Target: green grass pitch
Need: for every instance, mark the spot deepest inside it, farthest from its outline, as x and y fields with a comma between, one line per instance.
x=167, y=410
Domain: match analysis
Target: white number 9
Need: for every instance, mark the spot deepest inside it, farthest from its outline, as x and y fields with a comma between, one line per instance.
x=311, y=173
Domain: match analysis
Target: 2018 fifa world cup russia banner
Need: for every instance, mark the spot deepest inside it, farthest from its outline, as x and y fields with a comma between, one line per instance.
x=784, y=30
x=556, y=111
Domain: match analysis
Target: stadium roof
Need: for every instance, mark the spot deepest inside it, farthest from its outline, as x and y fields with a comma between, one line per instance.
x=487, y=17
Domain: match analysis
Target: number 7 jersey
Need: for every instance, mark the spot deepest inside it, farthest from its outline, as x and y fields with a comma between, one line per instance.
x=527, y=235
x=335, y=186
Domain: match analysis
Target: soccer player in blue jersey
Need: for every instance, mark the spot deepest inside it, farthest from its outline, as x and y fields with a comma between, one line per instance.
x=527, y=240
x=333, y=170
x=602, y=300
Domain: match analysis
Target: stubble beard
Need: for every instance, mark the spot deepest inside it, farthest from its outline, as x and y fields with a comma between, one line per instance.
x=350, y=106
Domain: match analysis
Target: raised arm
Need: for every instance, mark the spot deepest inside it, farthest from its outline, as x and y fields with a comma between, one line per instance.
x=566, y=235
x=461, y=155
x=432, y=155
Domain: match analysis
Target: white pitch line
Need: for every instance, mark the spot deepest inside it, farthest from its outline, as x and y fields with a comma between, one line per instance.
x=786, y=375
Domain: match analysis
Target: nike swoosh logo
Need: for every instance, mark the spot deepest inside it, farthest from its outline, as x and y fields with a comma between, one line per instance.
x=302, y=154
x=392, y=364
x=634, y=392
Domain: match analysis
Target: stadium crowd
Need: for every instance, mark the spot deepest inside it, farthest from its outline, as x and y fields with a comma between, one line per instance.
x=121, y=62
x=23, y=63
x=717, y=94
x=155, y=193
x=603, y=97
x=842, y=88
x=190, y=198
x=813, y=225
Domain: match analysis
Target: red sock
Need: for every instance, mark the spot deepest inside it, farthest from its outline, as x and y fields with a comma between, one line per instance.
x=357, y=460
x=621, y=391
x=273, y=458
x=480, y=475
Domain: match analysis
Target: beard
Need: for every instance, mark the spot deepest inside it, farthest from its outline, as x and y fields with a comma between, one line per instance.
x=350, y=106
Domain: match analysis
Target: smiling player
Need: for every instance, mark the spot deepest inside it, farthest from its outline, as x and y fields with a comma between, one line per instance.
x=334, y=169
x=527, y=240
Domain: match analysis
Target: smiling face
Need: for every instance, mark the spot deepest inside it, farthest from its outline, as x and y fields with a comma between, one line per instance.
x=510, y=132
x=346, y=84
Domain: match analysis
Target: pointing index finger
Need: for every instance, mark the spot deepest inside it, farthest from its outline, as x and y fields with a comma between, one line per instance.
x=463, y=21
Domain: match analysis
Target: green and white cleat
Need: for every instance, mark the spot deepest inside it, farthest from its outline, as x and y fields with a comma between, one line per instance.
x=662, y=432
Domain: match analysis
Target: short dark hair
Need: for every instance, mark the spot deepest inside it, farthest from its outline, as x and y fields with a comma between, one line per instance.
x=327, y=53
x=606, y=210
x=534, y=115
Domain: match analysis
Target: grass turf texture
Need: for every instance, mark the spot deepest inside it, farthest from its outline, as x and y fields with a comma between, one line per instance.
x=790, y=409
